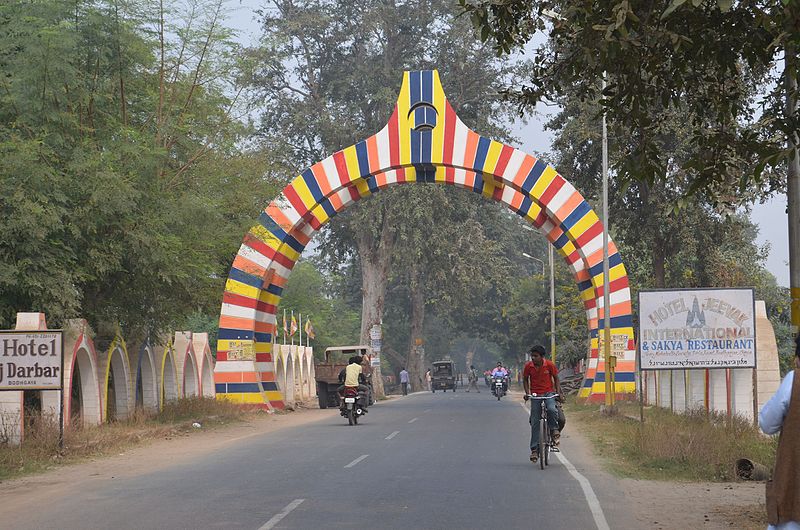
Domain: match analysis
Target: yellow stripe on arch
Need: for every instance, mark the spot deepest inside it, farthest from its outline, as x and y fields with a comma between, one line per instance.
x=437, y=135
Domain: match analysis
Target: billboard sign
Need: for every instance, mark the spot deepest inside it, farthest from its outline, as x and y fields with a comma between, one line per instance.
x=697, y=328
x=30, y=360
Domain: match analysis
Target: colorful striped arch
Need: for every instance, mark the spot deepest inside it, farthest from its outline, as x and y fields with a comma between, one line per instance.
x=424, y=141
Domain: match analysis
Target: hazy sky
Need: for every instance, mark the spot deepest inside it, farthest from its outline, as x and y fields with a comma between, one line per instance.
x=770, y=217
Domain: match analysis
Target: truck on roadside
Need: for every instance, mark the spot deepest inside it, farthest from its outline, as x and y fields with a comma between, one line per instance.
x=327, y=373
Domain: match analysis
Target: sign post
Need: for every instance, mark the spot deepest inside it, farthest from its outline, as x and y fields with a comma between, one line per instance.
x=34, y=360
x=698, y=329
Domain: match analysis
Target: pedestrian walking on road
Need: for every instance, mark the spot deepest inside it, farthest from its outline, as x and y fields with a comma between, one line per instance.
x=473, y=379
x=782, y=413
x=428, y=379
x=404, y=381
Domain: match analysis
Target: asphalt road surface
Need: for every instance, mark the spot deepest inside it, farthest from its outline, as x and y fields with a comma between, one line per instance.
x=443, y=460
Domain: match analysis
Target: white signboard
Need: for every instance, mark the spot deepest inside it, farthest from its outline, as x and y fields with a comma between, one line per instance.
x=30, y=360
x=697, y=328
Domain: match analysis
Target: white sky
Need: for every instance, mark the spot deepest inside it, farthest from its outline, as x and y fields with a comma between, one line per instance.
x=769, y=217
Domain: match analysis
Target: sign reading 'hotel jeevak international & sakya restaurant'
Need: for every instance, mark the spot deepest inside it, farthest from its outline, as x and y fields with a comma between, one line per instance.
x=31, y=360
x=697, y=328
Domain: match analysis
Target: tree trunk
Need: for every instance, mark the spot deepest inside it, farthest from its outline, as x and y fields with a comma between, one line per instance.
x=416, y=357
x=375, y=258
x=659, y=260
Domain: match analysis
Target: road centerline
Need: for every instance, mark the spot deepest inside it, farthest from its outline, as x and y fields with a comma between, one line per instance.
x=356, y=461
x=412, y=420
x=395, y=433
x=278, y=517
x=591, y=499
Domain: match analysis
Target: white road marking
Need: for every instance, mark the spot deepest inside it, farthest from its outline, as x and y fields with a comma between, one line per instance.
x=591, y=499
x=356, y=461
x=412, y=420
x=426, y=410
x=278, y=517
x=395, y=433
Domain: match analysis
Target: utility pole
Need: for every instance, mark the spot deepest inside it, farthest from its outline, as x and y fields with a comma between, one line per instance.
x=552, y=304
x=793, y=188
x=609, y=360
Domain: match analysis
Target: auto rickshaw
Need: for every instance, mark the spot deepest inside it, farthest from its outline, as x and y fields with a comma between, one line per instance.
x=443, y=375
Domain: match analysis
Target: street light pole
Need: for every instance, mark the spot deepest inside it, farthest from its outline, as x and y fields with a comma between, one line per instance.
x=609, y=385
x=552, y=297
x=552, y=304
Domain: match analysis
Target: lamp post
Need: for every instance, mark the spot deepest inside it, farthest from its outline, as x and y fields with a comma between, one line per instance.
x=552, y=298
x=607, y=357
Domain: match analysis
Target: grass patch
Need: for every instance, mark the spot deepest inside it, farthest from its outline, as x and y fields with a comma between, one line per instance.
x=40, y=450
x=695, y=446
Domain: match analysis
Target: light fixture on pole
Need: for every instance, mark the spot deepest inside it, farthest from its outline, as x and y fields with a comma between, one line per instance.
x=552, y=298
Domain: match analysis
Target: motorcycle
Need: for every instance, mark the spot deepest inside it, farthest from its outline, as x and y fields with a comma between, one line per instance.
x=498, y=387
x=353, y=405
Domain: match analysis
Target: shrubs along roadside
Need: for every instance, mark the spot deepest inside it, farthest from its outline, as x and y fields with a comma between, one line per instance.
x=696, y=446
x=39, y=451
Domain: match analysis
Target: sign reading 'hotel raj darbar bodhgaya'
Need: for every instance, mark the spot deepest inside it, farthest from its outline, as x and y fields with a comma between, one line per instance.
x=696, y=328
x=30, y=360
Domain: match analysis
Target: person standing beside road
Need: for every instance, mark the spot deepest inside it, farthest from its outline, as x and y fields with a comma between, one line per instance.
x=404, y=381
x=782, y=413
x=473, y=379
x=428, y=379
x=540, y=377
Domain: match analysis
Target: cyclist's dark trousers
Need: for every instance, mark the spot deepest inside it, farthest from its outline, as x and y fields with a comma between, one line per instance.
x=405, y=388
x=552, y=419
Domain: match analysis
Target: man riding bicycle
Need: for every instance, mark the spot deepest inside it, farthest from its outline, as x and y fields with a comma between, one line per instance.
x=540, y=377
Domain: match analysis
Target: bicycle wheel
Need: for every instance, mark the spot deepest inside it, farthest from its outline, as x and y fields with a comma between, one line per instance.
x=547, y=445
x=542, y=441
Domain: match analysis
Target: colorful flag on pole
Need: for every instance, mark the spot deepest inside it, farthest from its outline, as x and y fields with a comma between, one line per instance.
x=310, y=329
x=293, y=326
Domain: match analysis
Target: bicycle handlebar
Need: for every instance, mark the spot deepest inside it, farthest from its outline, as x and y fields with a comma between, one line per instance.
x=534, y=396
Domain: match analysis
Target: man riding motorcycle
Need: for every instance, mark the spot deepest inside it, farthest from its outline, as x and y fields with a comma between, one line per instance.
x=352, y=376
x=502, y=373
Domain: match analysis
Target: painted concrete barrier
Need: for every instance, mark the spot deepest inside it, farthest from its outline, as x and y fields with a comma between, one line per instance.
x=108, y=379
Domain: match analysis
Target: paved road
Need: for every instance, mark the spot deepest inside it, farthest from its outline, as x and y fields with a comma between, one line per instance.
x=440, y=460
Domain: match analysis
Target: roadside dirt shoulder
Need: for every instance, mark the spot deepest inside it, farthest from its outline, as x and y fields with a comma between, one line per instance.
x=149, y=456
x=668, y=505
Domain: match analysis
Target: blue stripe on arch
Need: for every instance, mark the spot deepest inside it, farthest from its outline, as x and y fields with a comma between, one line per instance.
x=534, y=174
x=478, y=186
x=622, y=321
x=235, y=334
x=267, y=222
x=620, y=377
x=525, y=207
x=274, y=289
x=613, y=261
x=328, y=207
x=269, y=386
x=480, y=154
x=416, y=154
x=244, y=277
x=363, y=158
x=577, y=214
x=427, y=86
x=414, y=88
x=263, y=337
x=295, y=244
x=311, y=182
x=586, y=284
x=426, y=141
x=372, y=183
x=561, y=241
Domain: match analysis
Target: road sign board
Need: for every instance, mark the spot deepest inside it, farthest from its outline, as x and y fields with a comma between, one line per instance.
x=31, y=360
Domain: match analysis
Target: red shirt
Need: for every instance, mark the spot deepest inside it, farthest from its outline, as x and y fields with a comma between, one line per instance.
x=540, y=378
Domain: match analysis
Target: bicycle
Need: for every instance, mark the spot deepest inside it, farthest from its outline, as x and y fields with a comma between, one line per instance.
x=545, y=439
